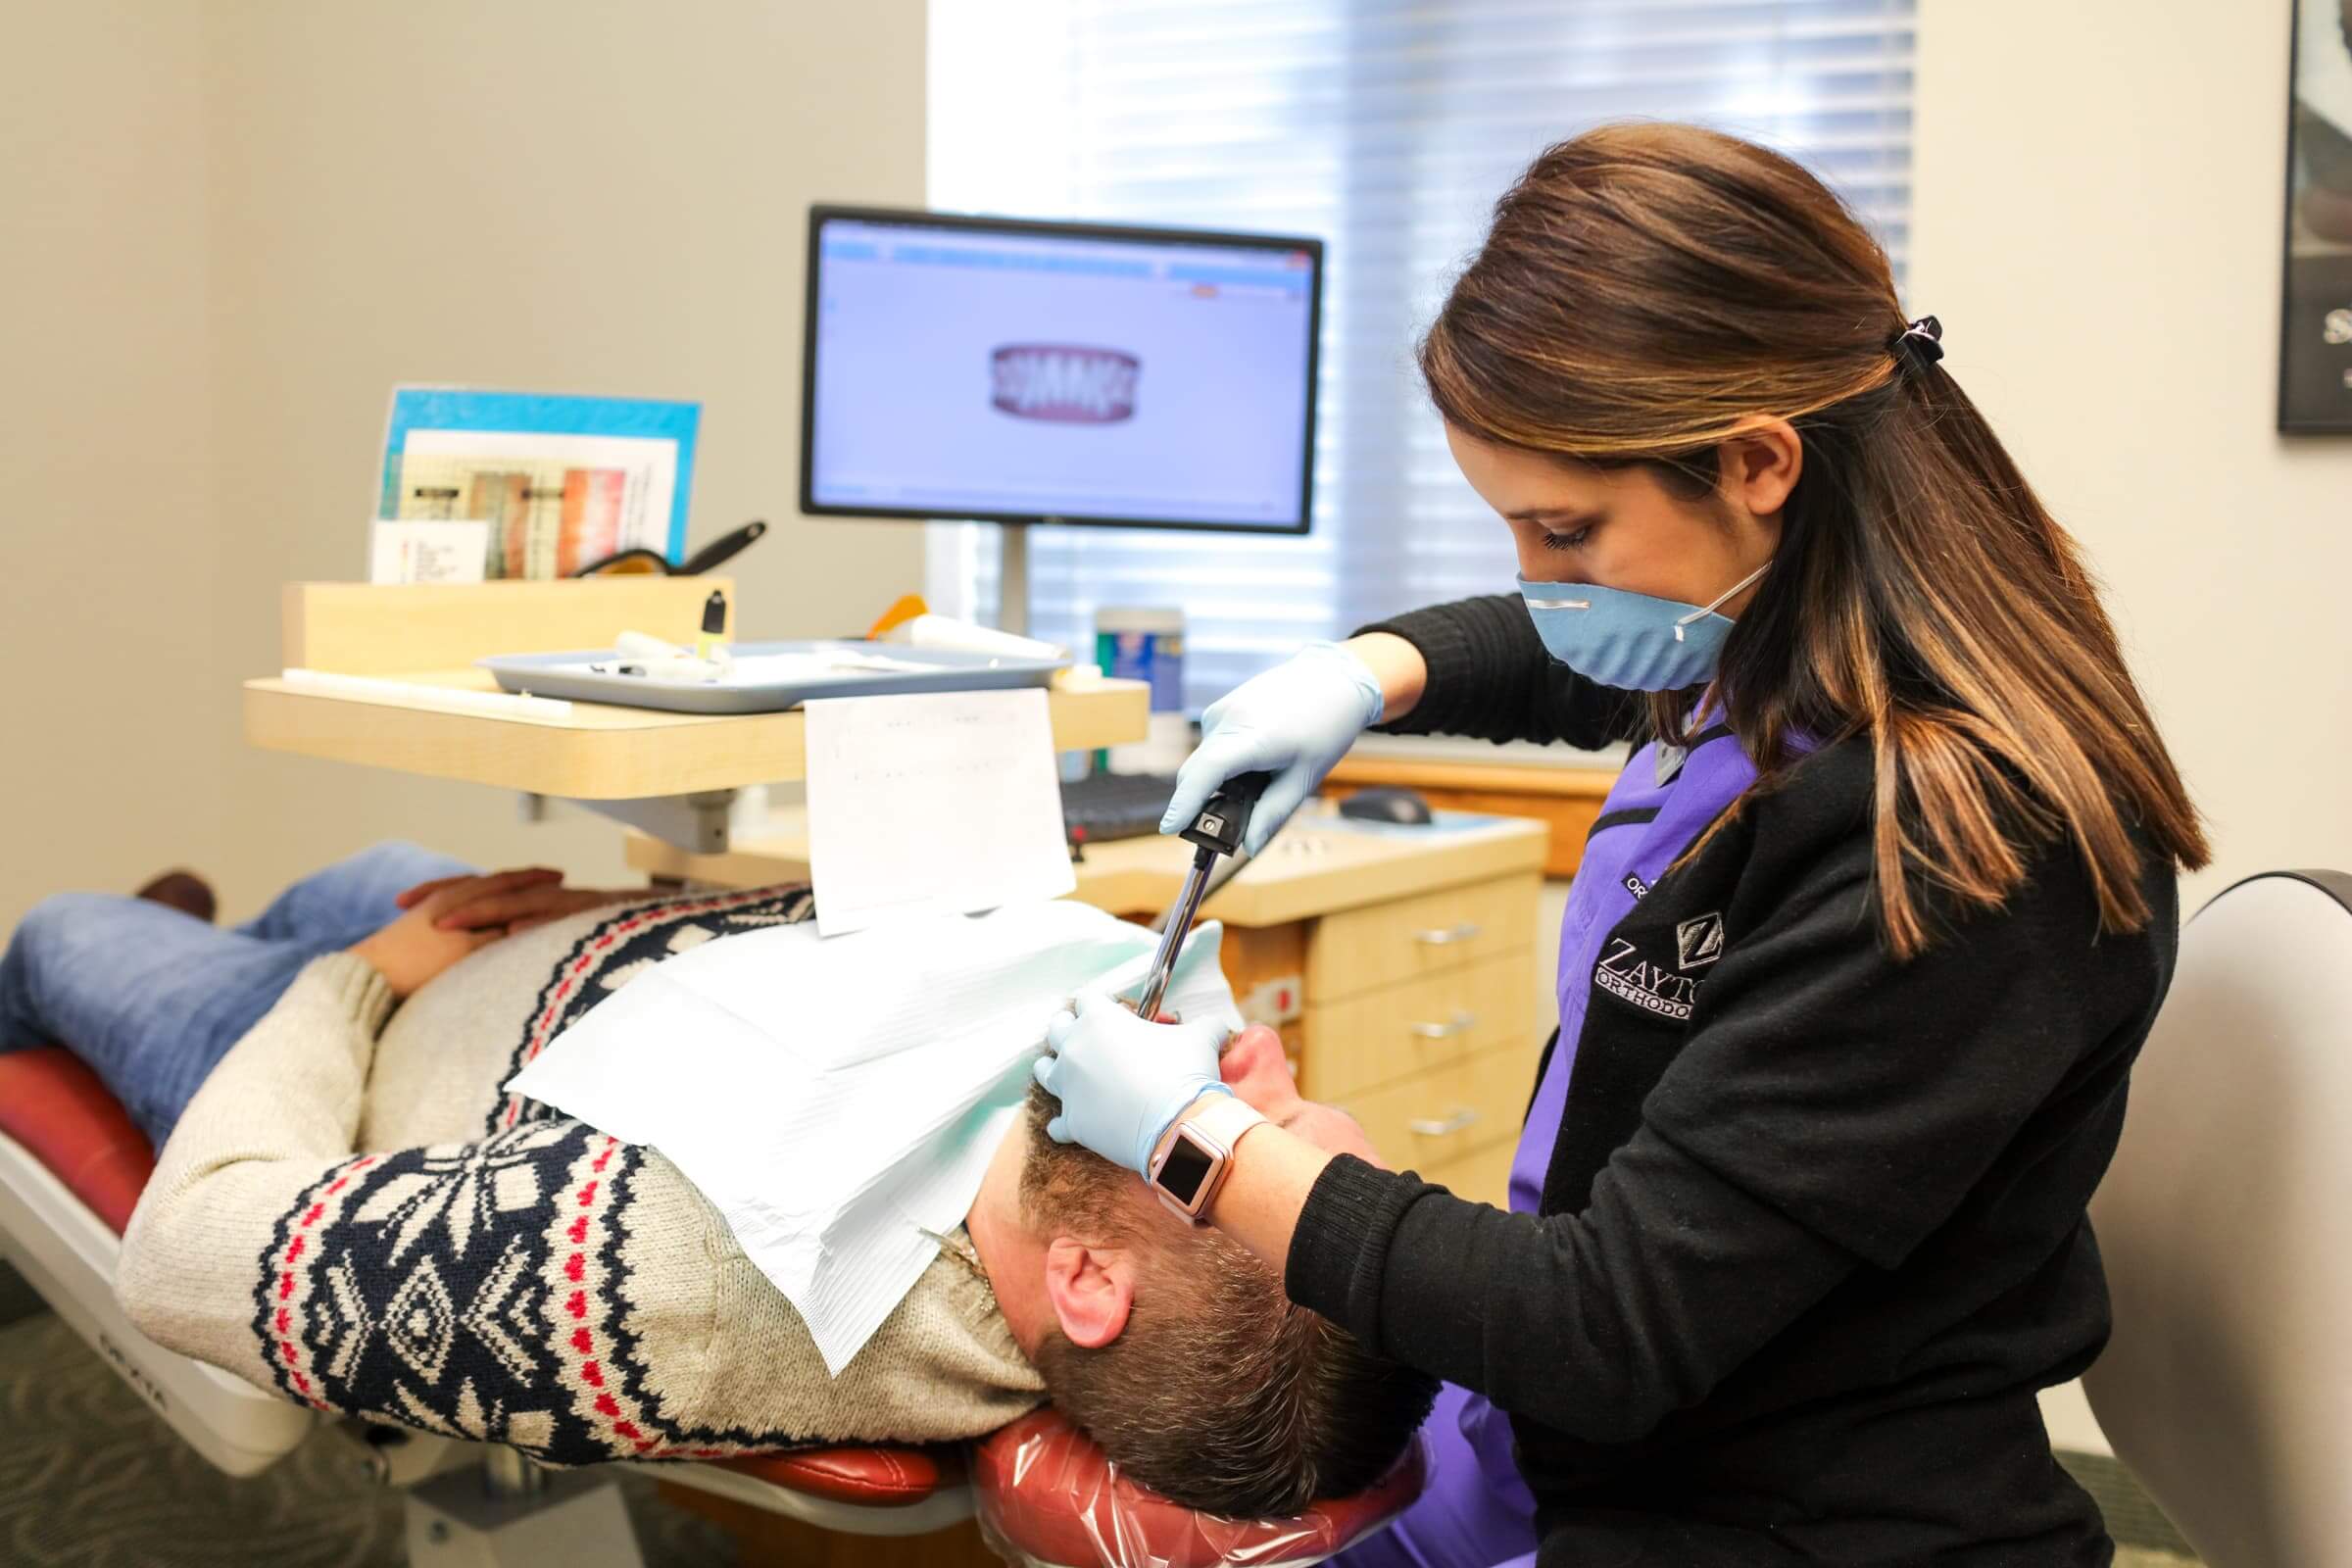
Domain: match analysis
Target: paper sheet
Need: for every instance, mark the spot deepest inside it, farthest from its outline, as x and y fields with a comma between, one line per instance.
x=932, y=803
x=427, y=551
x=838, y=1102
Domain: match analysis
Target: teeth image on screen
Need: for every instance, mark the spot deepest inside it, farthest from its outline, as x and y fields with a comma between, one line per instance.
x=1058, y=378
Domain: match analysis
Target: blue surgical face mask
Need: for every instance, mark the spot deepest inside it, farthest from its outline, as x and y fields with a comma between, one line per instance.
x=1629, y=640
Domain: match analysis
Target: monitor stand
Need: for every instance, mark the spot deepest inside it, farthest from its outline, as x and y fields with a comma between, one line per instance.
x=1012, y=580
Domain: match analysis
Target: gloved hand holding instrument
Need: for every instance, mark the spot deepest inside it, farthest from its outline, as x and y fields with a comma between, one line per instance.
x=1294, y=721
x=1123, y=1078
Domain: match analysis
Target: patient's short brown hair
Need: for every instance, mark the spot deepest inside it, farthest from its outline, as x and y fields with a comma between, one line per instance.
x=1221, y=1393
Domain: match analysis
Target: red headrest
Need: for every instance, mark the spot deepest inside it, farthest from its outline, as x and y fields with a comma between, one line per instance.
x=59, y=1110
x=1048, y=1492
x=880, y=1477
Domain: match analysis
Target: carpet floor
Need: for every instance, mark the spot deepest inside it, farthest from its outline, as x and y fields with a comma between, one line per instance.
x=91, y=1478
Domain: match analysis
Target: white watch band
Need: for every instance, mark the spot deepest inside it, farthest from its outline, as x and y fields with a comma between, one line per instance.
x=1222, y=1120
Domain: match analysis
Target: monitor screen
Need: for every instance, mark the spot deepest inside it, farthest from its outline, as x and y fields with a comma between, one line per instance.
x=1022, y=373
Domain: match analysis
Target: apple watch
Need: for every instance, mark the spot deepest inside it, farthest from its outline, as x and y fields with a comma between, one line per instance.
x=1196, y=1155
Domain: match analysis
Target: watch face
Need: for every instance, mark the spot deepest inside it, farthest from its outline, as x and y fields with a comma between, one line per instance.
x=1185, y=1169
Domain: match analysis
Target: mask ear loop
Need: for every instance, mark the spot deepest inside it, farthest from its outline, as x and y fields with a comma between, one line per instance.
x=1704, y=610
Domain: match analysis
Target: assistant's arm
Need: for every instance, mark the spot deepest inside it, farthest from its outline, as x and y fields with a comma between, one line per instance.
x=1485, y=673
x=1831, y=1109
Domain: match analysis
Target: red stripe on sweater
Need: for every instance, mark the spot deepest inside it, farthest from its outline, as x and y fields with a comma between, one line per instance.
x=283, y=1320
x=591, y=1370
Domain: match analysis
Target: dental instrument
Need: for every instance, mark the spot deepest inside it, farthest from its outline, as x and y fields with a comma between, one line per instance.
x=1216, y=830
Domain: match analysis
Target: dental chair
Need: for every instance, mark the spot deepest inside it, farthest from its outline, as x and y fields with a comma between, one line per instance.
x=2226, y=1223
x=72, y=1165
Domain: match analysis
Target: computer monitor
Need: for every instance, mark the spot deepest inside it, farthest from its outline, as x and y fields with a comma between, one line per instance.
x=1022, y=373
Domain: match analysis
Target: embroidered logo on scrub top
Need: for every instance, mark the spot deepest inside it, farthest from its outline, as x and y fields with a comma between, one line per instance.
x=1653, y=987
x=1650, y=985
x=1698, y=941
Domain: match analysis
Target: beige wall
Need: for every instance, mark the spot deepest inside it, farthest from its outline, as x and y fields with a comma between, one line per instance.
x=2097, y=203
x=306, y=205
x=2099, y=200
x=105, y=459
x=230, y=230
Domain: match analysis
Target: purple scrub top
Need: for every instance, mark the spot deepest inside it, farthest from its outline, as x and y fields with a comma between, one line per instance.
x=1644, y=827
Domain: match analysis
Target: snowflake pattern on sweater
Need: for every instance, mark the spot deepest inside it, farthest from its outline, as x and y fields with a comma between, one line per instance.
x=479, y=1290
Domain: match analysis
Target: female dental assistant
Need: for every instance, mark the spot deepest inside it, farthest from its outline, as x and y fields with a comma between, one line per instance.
x=1860, y=952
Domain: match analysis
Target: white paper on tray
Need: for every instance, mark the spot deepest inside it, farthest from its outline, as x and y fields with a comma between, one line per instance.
x=426, y=550
x=940, y=803
x=838, y=1100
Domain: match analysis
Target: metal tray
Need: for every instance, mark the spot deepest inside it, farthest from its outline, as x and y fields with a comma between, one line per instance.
x=567, y=674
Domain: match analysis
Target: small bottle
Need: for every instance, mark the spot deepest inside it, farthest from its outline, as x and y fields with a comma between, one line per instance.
x=715, y=621
x=1146, y=643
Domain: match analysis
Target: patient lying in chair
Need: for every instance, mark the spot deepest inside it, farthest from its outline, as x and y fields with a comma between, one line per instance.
x=350, y=1210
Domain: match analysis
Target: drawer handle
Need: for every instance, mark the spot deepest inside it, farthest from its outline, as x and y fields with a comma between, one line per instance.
x=1462, y=1024
x=1446, y=935
x=1431, y=1127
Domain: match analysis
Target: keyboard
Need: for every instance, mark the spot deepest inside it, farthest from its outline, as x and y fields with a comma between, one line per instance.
x=1116, y=806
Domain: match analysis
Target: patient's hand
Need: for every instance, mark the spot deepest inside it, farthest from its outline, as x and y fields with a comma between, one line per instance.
x=512, y=901
x=1254, y=1067
x=414, y=947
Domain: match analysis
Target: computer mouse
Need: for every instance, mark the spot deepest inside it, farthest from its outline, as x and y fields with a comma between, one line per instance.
x=1401, y=807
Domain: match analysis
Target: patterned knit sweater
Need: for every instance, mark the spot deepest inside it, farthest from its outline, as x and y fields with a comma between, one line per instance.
x=367, y=1224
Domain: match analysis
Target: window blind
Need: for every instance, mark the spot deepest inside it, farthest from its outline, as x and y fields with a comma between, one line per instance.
x=1387, y=128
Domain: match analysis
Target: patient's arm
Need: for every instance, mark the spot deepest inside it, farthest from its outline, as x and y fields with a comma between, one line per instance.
x=469, y=1288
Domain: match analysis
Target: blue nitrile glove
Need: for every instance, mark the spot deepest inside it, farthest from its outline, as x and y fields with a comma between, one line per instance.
x=1122, y=1081
x=1294, y=721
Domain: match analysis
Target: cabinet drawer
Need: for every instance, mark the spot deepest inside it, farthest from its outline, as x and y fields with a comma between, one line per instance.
x=1421, y=1025
x=1438, y=1117
x=1451, y=928
x=1483, y=1176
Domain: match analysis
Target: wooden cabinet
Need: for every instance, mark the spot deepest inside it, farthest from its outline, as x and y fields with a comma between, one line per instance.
x=1420, y=1022
x=1420, y=935
x=1483, y=1174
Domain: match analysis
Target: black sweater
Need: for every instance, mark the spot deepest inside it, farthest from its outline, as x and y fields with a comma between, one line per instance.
x=1803, y=1259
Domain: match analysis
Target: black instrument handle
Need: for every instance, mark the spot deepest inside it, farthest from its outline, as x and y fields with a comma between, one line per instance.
x=1222, y=822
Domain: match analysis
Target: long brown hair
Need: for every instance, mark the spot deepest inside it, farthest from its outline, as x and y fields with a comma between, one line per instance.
x=1646, y=288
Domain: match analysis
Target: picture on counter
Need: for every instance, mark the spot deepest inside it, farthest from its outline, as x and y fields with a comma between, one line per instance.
x=2315, y=355
x=561, y=482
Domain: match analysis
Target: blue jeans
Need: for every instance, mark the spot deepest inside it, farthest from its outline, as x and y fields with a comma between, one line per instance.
x=151, y=998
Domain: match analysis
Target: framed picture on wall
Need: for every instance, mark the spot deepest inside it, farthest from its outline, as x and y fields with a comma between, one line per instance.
x=2314, y=350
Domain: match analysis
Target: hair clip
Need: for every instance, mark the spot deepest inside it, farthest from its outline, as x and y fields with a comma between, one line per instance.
x=1921, y=342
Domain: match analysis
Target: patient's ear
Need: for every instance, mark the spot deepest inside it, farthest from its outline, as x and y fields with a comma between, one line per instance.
x=1090, y=1288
